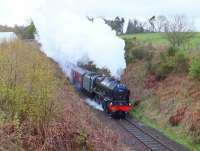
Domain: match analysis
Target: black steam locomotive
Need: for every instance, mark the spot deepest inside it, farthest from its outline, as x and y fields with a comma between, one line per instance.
x=107, y=91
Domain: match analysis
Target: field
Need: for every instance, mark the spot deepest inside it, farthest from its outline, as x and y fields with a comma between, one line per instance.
x=159, y=38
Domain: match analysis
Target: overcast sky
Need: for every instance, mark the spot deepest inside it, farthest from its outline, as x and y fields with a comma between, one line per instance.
x=19, y=11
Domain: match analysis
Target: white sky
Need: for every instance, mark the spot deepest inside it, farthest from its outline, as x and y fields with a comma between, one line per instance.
x=19, y=11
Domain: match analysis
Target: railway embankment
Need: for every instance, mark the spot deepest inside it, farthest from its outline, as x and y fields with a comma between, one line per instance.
x=40, y=110
x=164, y=89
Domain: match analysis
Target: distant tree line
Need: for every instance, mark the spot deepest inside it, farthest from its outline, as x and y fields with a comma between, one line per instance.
x=117, y=24
x=152, y=24
x=23, y=32
x=5, y=28
x=26, y=32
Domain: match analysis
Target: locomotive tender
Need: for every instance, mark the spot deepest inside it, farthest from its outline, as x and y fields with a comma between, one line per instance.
x=107, y=91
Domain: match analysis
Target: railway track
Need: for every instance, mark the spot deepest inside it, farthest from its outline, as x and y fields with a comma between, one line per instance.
x=149, y=141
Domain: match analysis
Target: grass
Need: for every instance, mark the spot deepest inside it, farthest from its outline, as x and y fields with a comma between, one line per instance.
x=159, y=38
x=167, y=130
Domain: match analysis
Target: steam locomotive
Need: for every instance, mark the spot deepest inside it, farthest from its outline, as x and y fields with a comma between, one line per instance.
x=107, y=91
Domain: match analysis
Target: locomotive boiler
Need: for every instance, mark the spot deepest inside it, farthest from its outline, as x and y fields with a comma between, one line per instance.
x=105, y=90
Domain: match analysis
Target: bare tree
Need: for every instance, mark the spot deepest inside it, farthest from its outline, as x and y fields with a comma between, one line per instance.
x=160, y=23
x=152, y=23
x=179, y=31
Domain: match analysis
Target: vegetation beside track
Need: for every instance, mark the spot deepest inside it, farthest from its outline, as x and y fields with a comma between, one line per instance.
x=164, y=81
x=39, y=110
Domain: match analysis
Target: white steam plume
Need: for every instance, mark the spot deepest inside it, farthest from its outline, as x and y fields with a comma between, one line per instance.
x=67, y=35
x=94, y=104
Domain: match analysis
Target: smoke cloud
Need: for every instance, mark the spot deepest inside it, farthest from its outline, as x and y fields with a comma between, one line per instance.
x=94, y=104
x=68, y=36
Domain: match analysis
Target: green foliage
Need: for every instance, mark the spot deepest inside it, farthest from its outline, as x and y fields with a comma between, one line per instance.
x=162, y=69
x=195, y=69
x=117, y=24
x=139, y=53
x=136, y=51
x=172, y=51
x=26, y=32
x=135, y=26
x=159, y=39
x=30, y=31
x=181, y=62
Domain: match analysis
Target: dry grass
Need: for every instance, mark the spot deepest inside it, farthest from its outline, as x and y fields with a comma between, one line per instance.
x=40, y=111
x=173, y=101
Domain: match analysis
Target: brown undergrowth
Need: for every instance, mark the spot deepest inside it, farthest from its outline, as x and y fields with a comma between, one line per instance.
x=173, y=101
x=39, y=109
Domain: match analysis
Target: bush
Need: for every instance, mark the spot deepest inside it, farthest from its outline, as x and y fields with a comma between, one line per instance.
x=168, y=64
x=149, y=62
x=163, y=69
x=181, y=63
x=136, y=50
x=28, y=83
x=136, y=53
x=139, y=53
x=195, y=69
x=172, y=51
x=26, y=32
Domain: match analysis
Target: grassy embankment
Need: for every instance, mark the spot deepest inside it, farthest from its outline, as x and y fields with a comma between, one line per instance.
x=169, y=103
x=39, y=110
x=159, y=38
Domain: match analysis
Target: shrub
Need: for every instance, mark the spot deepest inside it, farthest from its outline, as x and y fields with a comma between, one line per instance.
x=139, y=53
x=181, y=63
x=128, y=44
x=164, y=67
x=149, y=62
x=26, y=32
x=136, y=50
x=195, y=69
x=168, y=64
x=172, y=51
x=136, y=53
x=28, y=83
